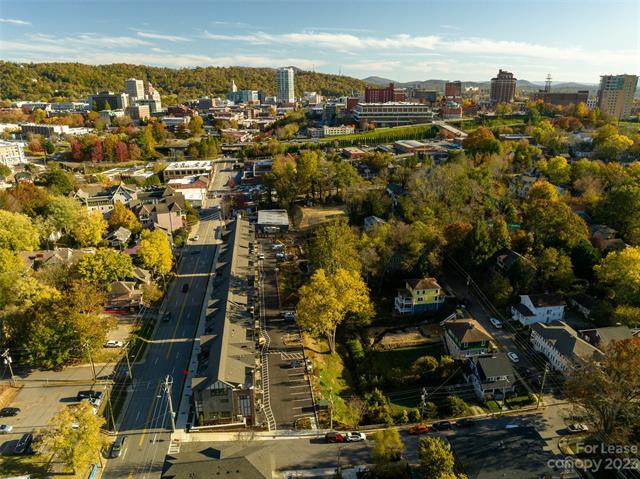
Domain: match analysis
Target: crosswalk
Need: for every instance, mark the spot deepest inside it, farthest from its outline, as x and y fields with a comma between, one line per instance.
x=287, y=355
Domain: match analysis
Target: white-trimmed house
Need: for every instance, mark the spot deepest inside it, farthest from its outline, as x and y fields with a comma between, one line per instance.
x=491, y=376
x=562, y=346
x=466, y=338
x=538, y=308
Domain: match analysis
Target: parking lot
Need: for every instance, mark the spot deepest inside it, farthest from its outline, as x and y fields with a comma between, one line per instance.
x=289, y=387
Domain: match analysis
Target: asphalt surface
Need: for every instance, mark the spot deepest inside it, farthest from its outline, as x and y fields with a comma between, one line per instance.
x=146, y=421
x=289, y=387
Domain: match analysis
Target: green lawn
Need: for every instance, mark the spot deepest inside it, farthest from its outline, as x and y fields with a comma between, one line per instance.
x=403, y=358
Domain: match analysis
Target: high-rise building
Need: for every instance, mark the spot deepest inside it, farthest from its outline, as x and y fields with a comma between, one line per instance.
x=152, y=93
x=286, y=85
x=384, y=94
x=108, y=100
x=453, y=89
x=615, y=95
x=503, y=87
x=134, y=88
x=234, y=88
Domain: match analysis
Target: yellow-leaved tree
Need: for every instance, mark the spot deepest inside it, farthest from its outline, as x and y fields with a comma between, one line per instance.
x=155, y=251
x=327, y=300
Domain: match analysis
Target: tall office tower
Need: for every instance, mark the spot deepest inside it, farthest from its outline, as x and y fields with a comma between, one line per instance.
x=152, y=93
x=615, y=95
x=453, y=89
x=503, y=87
x=134, y=88
x=285, y=84
x=234, y=88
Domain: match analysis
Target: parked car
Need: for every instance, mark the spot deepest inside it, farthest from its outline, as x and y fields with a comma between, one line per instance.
x=24, y=444
x=420, y=428
x=5, y=428
x=185, y=287
x=9, y=411
x=513, y=357
x=289, y=315
x=442, y=425
x=334, y=437
x=260, y=255
x=89, y=395
x=112, y=343
x=496, y=323
x=356, y=436
x=118, y=446
x=166, y=316
x=296, y=363
x=577, y=427
x=195, y=238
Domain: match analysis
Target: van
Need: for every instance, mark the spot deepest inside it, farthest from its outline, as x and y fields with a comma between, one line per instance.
x=24, y=444
x=118, y=446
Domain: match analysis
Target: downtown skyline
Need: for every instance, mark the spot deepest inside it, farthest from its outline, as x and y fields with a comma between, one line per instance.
x=404, y=41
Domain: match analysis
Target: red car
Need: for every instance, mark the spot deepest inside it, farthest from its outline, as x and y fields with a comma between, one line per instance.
x=419, y=429
x=335, y=437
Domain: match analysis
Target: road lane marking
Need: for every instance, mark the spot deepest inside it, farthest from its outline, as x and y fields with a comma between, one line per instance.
x=153, y=405
x=156, y=361
x=184, y=301
x=178, y=355
x=138, y=415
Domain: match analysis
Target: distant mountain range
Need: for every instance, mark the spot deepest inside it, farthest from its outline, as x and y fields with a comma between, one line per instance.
x=523, y=85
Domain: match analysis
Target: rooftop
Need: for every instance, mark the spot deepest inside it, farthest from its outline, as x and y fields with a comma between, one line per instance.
x=467, y=330
x=564, y=339
x=423, y=283
x=178, y=165
x=273, y=217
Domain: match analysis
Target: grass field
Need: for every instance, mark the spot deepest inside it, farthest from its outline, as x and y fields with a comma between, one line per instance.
x=35, y=466
x=403, y=358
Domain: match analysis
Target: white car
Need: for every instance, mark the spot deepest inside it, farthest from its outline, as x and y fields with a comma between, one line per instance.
x=195, y=238
x=260, y=255
x=496, y=323
x=112, y=343
x=5, y=428
x=355, y=436
x=513, y=357
x=577, y=427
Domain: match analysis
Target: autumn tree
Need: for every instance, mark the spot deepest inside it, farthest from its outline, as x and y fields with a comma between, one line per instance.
x=328, y=299
x=121, y=216
x=74, y=435
x=482, y=142
x=555, y=270
x=63, y=213
x=620, y=272
x=436, y=457
x=387, y=446
x=557, y=170
x=335, y=246
x=104, y=266
x=17, y=232
x=607, y=389
x=155, y=251
x=88, y=228
x=195, y=125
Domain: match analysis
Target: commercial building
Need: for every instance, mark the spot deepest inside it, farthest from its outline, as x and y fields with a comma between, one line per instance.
x=112, y=101
x=272, y=222
x=418, y=296
x=224, y=383
x=615, y=95
x=243, y=96
x=384, y=94
x=193, y=188
x=45, y=130
x=134, y=88
x=330, y=131
x=152, y=93
x=503, y=87
x=392, y=114
x=453, y=89
x=154, y=105
x=11, y=153
x=286, y=91
x=562, y=99
x=180, y=169
x=139, y=112
x=425, y=96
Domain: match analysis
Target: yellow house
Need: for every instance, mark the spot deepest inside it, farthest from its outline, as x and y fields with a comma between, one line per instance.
x=419, y=295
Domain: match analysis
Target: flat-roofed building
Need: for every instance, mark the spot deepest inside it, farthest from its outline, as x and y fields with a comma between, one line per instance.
x=45, y=130
x=615, y=96
x=272, y=221
x=392, y=113
x=11, y=153
x=180, y=169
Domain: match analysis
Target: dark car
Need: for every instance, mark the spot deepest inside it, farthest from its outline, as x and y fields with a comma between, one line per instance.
x=441, y=426
x=334, y=437
x=464, y=423
x=166, y=316
x=185, y=287
x=118, y=446
x=24, y=444
x=9, y=411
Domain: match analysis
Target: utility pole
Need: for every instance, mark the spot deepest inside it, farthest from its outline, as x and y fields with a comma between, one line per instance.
x=93, y=366
x=8, y=361
x=331, y=409
x=168, y=382
x=424, y=397
x=544, y=378
x=126, y=355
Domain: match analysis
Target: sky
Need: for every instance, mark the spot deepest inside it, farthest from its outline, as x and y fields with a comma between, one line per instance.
x=573, y=40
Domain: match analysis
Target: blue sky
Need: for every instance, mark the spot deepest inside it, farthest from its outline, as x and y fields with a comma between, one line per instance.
x=574, y=40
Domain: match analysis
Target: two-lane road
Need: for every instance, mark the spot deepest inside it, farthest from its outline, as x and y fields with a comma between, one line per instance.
x=146, y=421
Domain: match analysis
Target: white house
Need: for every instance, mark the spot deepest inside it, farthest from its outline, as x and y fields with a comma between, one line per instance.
x=562, y=346
x=538, y=308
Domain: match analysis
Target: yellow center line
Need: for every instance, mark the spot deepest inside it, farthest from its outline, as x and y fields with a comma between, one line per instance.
x=184, y=301
x=147, y=421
